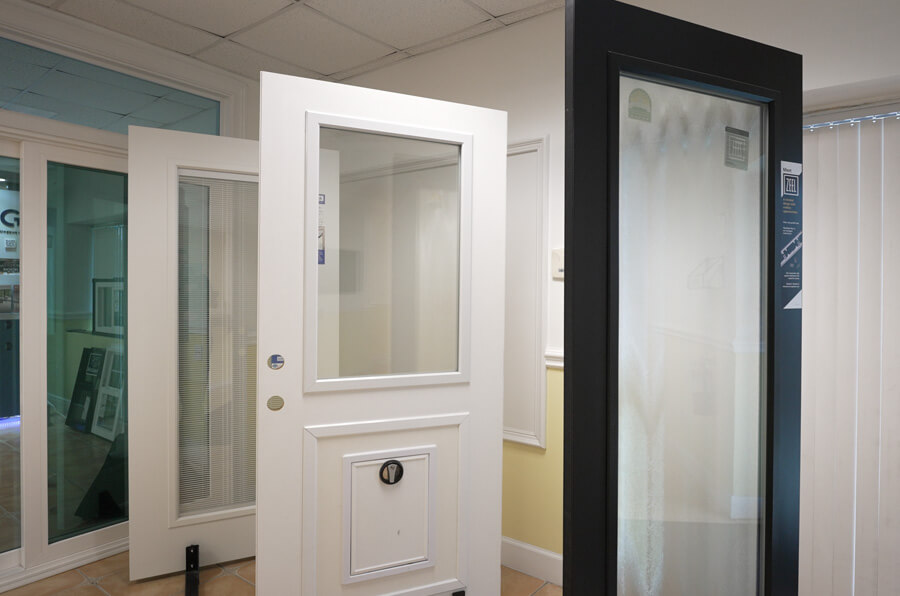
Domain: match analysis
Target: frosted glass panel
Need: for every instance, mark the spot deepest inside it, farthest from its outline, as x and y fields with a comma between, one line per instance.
x=217, y=272
x=690, y=343
x=388, y=262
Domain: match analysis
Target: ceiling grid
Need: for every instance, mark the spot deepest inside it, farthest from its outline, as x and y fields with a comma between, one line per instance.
x=324, y=39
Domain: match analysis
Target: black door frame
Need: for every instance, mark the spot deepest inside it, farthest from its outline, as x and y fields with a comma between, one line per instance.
x=602, y=37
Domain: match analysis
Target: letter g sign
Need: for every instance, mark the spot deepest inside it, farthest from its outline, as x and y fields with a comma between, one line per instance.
x=10, y=218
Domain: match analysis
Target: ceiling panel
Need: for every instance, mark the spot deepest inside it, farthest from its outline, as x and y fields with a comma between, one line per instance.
x=521, y=15
x=8, y=93
x=242, y=60
x=456, y=37
x=305, y=37
x=403, y=23
x=139, y=23
x=369, y=66
x=501, y=7
x=221, y=17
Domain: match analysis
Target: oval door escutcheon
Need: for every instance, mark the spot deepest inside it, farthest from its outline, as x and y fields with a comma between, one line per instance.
x=391, y=472
x=275, y=403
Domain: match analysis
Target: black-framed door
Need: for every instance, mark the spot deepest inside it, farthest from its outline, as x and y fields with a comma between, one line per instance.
x=683, y=248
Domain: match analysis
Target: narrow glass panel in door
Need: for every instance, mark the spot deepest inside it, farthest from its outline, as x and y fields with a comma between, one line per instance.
x=10, y=291
x=388, y=255
x=87, y=403
x=691, y=323
x=217, y=237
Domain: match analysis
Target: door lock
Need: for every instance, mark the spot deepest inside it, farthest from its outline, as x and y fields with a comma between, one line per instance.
x=391, y=472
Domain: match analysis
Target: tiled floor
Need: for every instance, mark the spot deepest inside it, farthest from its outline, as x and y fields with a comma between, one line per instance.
x=110, y=577
x=514, y=583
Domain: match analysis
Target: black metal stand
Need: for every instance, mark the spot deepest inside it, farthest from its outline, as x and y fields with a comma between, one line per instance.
x=192, y=570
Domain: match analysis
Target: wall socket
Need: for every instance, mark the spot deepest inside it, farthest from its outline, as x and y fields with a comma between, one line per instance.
x=558, y=264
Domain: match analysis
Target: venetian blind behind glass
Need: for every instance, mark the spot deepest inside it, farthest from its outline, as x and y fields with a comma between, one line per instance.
x=217, y=272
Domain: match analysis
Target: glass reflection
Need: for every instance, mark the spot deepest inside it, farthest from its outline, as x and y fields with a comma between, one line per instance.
x=86, y=350
x=388, y=262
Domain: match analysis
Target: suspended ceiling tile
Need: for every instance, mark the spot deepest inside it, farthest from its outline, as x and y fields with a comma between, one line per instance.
x=245, y=61
x=304, y=37
x=403, y=23
x=50, y=3
x=140, y=24
x=165, y=111
x=500, y=7
x=456, y=37
x=534, y=11
x=374, y=65
x=221, y=17
x=85, y=92
x=189, y=99
x=64, y=110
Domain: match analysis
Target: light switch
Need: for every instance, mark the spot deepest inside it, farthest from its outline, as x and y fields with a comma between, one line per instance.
x=558, y=264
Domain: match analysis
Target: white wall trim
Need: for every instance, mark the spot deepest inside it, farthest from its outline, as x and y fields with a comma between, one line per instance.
x=535, y=398
x=532, y=560
x=17, y=127
x=51, y=30
x=20, y=577
x=554, y=358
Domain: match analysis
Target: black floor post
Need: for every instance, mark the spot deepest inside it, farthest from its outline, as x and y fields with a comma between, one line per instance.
x=192, y=570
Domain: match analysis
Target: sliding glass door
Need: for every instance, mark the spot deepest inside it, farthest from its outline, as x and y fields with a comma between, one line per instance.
x=10, y=413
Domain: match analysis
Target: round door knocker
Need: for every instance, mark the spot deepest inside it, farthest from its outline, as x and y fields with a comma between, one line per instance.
x=391, y=472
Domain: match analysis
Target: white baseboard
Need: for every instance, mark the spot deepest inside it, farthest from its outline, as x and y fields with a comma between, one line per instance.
x=15, y=578
x=530, y=559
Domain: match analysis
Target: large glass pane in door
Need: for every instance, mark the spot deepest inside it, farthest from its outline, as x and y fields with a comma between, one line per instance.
x=87, y=396
x=388, y=256
x=691, y=340
x=10, y=471
x=217, y=273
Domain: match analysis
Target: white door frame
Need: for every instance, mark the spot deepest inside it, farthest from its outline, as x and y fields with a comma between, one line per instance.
x=295, y=487
x=158, y=158
x=40, y=140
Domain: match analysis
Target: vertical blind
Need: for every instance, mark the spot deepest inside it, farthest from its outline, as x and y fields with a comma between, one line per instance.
x=850, y=478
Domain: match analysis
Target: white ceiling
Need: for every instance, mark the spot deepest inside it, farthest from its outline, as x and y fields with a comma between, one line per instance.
x=329, y=39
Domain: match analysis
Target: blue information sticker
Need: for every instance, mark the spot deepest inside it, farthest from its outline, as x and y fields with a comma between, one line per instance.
x=276, y=361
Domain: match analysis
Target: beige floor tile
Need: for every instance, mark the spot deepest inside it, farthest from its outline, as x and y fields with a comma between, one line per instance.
x=514, y=583
x=227, y=585
x=86, y=590
x=248, y=571
x=549, y=590
x=232, y=566
x=208, y=573
x=107, y=566
x=117, y=584
x=51, y=585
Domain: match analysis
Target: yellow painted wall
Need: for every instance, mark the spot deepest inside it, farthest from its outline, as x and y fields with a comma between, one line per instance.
x=533, y=480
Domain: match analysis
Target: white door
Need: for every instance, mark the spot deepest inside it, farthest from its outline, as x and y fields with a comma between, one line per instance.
x=192, y=260
x=381, y=342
